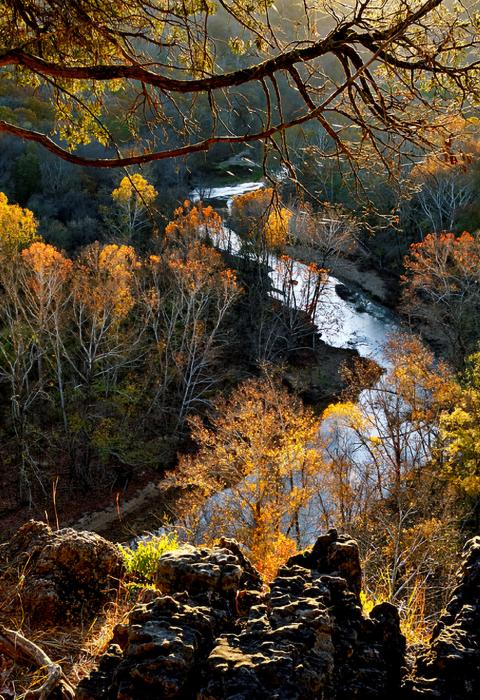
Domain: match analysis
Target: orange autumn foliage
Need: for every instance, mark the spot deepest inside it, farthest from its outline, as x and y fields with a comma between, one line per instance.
x=44, y=279
x=443, y=261
x=193, y=222
x=270, y=554
x=42, y=257
x=442, y=287
x=105, y=280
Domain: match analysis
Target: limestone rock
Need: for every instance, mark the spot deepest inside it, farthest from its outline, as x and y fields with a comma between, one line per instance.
x=309, y=639
x=163, y=649
x=285, y=649
x=167, y=642
x=204, y=572
x=305, y=639
x=336, y=555
x=67, y=575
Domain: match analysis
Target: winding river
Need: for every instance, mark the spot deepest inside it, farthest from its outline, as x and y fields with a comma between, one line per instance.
x=363, y=323
x=358, y=322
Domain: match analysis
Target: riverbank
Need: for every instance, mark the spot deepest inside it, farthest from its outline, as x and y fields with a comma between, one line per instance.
x=144, y=502
x=315, y=374
x=354, y=329
x=356, y=272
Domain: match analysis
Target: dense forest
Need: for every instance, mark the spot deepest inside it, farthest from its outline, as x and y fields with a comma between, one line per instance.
x=197, y=201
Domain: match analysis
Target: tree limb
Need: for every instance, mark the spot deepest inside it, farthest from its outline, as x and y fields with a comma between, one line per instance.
x=284, y=61
x=16, y=646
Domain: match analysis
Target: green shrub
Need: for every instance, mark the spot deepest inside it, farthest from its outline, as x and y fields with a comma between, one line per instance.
x=142, y=559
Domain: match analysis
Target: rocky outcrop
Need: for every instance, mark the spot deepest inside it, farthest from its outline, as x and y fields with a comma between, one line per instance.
x=215, y=634
x=308, y=637
x=66, y=575
x=449, y=668
x=203, y=572
x=212, y=631
x=161, y=651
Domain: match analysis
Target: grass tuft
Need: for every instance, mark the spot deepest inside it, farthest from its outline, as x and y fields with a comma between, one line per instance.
x=141, y=559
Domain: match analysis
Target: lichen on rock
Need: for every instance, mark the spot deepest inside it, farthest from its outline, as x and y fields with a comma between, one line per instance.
x=65, y=576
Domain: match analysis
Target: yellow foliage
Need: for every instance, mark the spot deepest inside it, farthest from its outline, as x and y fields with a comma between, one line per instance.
x=116, y=258
x=135, y=187
x=460, y=428
x=118, y=261
x=259, y=216
x=105, y=279
x=413, y=621
x=346, y=414
x=18, y=227
x=259, y=447
x=276, y=228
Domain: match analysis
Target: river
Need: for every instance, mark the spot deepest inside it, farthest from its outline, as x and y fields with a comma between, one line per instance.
x=358, y=322
x=362, y=324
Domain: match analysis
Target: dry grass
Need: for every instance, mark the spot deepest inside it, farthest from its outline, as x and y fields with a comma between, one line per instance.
x=415, y=626
x=76, y=649
x=413, y=620
x=96, y=639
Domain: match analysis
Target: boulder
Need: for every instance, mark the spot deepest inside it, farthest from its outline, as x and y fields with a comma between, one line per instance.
x=160, y=655
x=309, y=639
x=162, y=650
x=345, y=292
x=336, y=555
x=67, y=575
x=223, y=570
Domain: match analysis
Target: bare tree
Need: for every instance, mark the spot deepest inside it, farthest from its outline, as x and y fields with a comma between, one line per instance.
x=185, y=302
x=330, y=232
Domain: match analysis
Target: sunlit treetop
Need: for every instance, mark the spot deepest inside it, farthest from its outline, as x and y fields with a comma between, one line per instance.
x=375, y=77
x=461, y=430
x=134, y=187
x=104, y=281
x=18, y=227
x=43, y=258
x=193, y=222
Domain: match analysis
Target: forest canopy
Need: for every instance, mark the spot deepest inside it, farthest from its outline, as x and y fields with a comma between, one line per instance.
x=379, y=78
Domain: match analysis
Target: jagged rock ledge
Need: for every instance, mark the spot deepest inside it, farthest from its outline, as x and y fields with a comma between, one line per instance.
x=216, y=634
x=213, y=630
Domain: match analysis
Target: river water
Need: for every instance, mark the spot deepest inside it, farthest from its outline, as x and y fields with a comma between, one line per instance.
x=362, y=323
x=358, y=322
